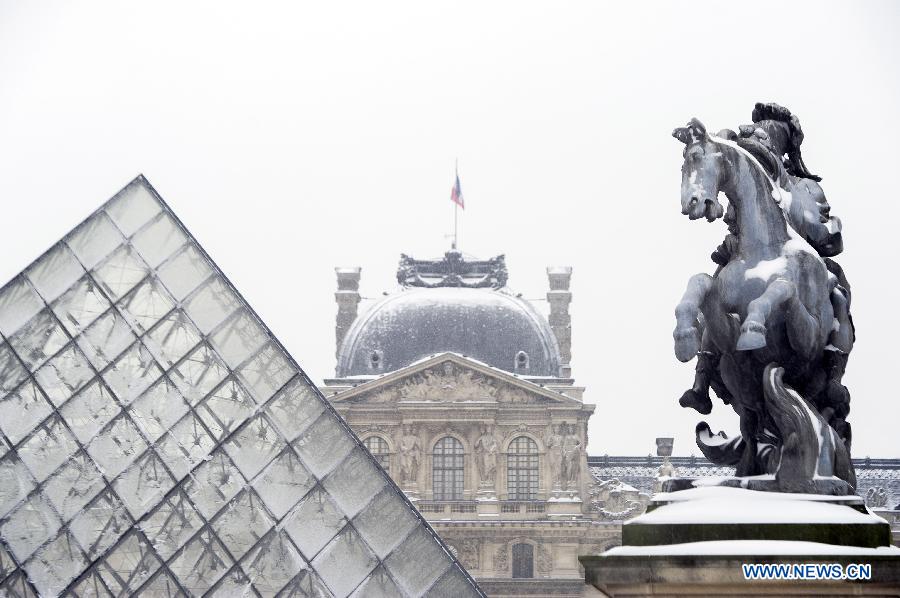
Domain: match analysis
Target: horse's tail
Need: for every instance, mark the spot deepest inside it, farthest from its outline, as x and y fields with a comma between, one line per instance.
x=718, y=448
x=788, y=409
x=807, y=446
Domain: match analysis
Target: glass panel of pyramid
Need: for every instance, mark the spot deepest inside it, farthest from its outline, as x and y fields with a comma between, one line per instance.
x=156, y=439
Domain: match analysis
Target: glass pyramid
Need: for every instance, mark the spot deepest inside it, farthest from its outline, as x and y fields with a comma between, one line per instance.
x=157, y=439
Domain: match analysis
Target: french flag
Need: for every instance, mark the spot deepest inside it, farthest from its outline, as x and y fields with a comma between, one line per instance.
x=456, y=195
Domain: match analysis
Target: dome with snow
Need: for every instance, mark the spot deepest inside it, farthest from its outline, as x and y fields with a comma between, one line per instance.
x=457, y=309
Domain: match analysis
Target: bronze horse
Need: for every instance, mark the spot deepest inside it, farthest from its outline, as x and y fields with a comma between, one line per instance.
x=771, y=303
x=774, y=140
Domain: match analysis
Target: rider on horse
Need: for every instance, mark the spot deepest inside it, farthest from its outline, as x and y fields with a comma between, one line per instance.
x=773, y=141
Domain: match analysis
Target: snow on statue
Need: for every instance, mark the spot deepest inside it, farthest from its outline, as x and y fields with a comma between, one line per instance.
x=771, y=327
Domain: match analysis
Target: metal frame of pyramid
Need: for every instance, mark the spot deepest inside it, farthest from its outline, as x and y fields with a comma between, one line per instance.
x=157, y=439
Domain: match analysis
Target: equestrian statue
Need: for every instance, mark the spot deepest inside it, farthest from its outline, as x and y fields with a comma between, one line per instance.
x=771, y=328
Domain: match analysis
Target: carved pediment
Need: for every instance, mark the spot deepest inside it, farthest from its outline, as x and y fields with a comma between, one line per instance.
x=449, y=380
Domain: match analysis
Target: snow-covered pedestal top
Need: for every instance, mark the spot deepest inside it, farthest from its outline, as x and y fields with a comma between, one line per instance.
x=722, y=505
x=712, y=488
x=750, y=547
x=719, y=513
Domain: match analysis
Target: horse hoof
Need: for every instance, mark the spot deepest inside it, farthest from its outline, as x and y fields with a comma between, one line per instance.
x=692, y=399
x=687, y=344
x=751, y=340
x=753, y=336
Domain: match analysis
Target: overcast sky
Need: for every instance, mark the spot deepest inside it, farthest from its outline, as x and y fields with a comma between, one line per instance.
x=291, y=139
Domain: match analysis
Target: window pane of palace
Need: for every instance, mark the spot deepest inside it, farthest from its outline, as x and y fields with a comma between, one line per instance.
x=378, y=446
x=449, y=469
x=522, y=469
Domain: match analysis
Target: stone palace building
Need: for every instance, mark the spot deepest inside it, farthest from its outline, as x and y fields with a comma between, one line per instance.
x=464, y=393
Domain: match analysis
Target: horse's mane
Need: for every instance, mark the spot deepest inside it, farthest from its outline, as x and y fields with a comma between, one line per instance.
x=760, y=156
x=771, y=163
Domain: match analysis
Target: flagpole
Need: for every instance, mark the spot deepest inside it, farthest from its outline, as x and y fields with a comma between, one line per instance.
x=455, y=207
x=455, y=222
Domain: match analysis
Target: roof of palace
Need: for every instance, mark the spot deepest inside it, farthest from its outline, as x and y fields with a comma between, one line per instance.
x=157, y=439
x=641, y=472
x=438, y=311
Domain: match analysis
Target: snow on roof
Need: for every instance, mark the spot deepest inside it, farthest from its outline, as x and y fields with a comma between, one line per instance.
x=875, y=473
x=491, y=324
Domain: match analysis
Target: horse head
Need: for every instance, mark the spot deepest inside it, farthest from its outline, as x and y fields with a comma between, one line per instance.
x=701, y=173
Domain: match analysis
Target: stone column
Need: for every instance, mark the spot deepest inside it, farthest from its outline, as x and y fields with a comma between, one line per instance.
x=559, y=297
x=347, y=298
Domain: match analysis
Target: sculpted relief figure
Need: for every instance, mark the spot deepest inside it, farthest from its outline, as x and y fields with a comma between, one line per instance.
x=448, y=369
x=486, y=449
x=387, y=395
x=447, y=383
x=471, y=386
x=426, y=386
x=508, y=394
x=410, y=455
x=544, y=559
x=469, y=553
x=501, y=558
x=876, y=498
x=571, y=456
x=554, y=443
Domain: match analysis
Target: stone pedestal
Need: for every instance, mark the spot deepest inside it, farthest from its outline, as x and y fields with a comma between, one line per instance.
x=719, y=513
x=693, y=542
x=567, y=504
x=557, y=491
x=487, y=506
x=486, y=492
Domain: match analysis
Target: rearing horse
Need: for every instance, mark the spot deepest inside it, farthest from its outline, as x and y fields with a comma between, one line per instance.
x=769, y=304
x=808, y=213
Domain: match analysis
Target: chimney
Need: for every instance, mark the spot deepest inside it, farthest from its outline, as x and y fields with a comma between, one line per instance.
x=559, y=297
x=347, y=298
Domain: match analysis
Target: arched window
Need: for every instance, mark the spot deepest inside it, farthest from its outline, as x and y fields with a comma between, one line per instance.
x=522, y=469
x=378, y=446
x=522, y=560
x=449, y=468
